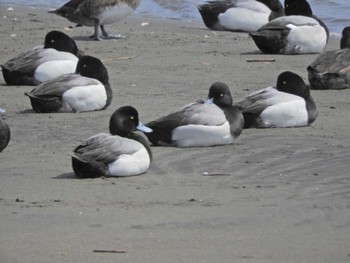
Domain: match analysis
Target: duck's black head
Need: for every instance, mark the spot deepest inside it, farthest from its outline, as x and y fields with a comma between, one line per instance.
x=297, y=7
x=92, y=67
x=292, y=83
x=61, y=42
x=124, y=121
x=220, y=93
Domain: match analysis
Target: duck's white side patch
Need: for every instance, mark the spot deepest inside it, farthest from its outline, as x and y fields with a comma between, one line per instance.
x=286, y=114
x=112, y=14
x=130, y=164
x=306, y=39
x=243, y=19
x=54, y=69
x=86, y=98
x=202, y=135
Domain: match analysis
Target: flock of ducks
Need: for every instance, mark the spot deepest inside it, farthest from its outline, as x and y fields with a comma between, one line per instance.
x=67, y=80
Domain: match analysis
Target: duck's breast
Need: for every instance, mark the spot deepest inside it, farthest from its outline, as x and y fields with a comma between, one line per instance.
x=131, y=164
x=88, y=96
x=286, y=114
x=202, y=135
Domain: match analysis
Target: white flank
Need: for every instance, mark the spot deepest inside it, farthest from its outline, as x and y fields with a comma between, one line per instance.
x=243, y=19
x=130, y=164
x=54, y=69
x=286, y=114
x=306, y=39
x=86, y=98
x=202, y=135
x=115, y=13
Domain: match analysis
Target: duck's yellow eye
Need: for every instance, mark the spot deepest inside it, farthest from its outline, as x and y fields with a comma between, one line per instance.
x=221, y=95
x=132, y=117
x=84, y=66
x=284, y=82
x=52, y=41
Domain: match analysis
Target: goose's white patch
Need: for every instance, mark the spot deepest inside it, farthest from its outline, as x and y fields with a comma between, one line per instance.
x=202, y=135
x=86, y=98
x=112, y=14
x=53, y=69
x=130, y=164
x=286, y=114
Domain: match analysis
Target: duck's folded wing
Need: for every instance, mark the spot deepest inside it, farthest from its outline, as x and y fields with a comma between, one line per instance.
x=105, y=148
x=59, y=85
x=194, y=113
x=26, y=61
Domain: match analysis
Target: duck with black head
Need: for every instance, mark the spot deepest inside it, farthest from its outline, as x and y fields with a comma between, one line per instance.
x=331, y=69
x=97, y=13
x=59, y=55
x=287, y=104
x=123, y=152
x=299, y=32
x=87, y=89
x=203, y=123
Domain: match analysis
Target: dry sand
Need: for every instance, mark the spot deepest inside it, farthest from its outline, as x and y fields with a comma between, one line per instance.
x=276, y=195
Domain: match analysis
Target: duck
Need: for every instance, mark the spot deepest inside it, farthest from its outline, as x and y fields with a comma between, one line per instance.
x=331, y=69
x=239, y=15
x=123, y=152
x=5, y=133
x=59, y=55
x=200, y=124
x=87, y=89
x=97, y=13
x=299, y=32
x=287, y=104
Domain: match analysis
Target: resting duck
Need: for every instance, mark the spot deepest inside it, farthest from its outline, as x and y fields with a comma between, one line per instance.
x=87, y=89
x=299, y=32
x=239, y=15
x=331, y=69
x=58, y=56
x=208, y=123
x=288, y=104
x=5, y=133
x=97, y=13
x=120, y=153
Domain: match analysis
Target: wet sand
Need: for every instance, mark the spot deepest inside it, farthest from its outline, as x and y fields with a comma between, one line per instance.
x=275, y=195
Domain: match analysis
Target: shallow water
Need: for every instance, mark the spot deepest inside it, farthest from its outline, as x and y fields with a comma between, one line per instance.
x=333, y=12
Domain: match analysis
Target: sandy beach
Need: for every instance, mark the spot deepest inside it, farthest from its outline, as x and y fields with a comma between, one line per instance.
x=275, y=195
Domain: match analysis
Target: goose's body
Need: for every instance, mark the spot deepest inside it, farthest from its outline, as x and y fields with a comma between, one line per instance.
x=97, y=13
